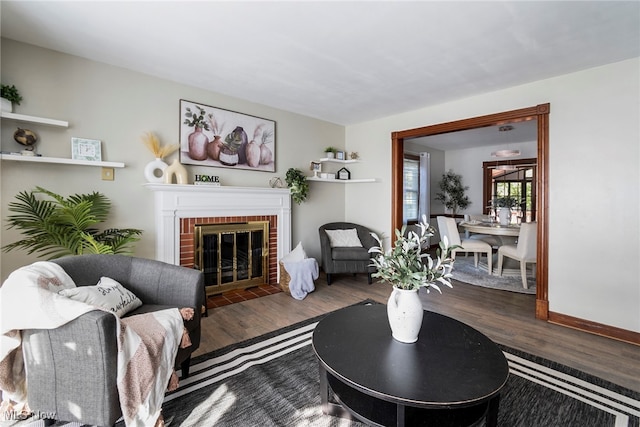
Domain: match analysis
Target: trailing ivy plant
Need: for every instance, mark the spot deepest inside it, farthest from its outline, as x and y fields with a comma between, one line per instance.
x=298, y=184
x=56, y=226
x=451, y=192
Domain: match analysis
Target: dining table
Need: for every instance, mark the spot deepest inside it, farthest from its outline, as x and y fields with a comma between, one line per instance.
x=493, y=228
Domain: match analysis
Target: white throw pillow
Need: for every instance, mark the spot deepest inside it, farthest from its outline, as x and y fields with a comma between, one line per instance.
x=107, y=294
x=344, y=238
x=296, y=255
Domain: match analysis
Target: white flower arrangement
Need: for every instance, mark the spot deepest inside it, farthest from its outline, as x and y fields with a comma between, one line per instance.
x=405, y=266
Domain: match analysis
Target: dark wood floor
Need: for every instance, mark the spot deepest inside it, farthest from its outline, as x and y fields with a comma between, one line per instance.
x=507, y=318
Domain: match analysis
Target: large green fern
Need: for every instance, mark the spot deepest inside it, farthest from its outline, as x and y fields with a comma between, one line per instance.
x=61, y=226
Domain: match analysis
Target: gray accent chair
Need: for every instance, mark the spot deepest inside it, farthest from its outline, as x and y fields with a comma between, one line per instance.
x=346, y=260
x=78, y=382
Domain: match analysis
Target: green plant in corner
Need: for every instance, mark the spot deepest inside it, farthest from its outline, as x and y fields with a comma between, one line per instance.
x=451, y=192
x=66, y=226
x=298, y=184
x=10, y=93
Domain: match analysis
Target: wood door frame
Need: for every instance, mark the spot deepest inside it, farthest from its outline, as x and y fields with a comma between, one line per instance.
x=539, y=112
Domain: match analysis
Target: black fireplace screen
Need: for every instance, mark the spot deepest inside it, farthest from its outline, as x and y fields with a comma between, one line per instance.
x=232, y=255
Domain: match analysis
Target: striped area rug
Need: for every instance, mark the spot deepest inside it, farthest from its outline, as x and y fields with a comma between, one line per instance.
x=273, y=381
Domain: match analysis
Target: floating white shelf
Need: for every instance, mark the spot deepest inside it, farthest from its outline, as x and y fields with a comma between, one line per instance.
x=34, y=119
x=341, y=181
x=326, y=159
x=59, y=160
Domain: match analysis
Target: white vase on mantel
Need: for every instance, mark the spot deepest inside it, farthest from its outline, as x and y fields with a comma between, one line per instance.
x=504, y=215
x=154, y=170
x=6, y=106
x=405, y=313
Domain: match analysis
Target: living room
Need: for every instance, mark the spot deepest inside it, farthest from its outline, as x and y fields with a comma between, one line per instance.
x=593, y=162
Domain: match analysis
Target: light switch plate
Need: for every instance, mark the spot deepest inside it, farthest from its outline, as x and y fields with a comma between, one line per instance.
x=107, y=174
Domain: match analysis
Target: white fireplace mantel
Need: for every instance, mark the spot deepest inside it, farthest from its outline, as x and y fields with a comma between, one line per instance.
x=175, y=201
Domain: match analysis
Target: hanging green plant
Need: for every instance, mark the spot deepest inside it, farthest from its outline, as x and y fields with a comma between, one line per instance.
x=451, y=192
x=66, y=226
x=298, y=184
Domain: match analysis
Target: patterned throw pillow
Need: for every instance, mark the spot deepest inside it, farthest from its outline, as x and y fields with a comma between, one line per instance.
x=107, y=294
x=344, y=238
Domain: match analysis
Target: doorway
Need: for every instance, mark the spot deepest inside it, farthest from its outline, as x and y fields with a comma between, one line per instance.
x=541, y=114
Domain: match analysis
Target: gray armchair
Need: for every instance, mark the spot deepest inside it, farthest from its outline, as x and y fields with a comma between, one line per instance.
x=78, y=383
x=353, y=260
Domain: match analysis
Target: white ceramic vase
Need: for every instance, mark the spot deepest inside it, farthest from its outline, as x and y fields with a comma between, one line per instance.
x=504, y=214
x=178, y=170
x=6, y=105
x=405, y=312
x=154, y=170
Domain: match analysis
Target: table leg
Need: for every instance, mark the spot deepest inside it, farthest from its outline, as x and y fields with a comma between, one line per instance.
x=400, y=415
x=324, y=389
x=492, y=412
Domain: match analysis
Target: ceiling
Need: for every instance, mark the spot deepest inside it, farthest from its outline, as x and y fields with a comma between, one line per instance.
x=343, y=62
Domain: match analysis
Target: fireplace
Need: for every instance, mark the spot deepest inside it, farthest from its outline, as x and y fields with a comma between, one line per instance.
x=232, y=255
x=178, y=208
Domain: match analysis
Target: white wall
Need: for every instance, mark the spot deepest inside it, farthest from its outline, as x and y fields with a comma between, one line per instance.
x=594, y=173
x=117, y=106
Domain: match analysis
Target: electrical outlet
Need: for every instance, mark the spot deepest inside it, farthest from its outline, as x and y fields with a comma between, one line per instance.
x=107, y=174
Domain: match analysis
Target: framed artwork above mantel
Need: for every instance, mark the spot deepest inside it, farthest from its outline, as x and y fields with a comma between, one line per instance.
x=211, y=136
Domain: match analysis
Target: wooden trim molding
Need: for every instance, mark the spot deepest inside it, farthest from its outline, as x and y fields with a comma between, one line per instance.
x=538, y=112
x=595, y=328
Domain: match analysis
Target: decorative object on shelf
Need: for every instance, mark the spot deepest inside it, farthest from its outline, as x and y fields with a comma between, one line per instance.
x=316, y=167
x=178, y=170
x=86, y=149
x=340, y=155
x=211, y=180
x=354, y=155
x=408, y=269
x=451, y=192
x=298, y=184
x=233, y=150
x=343, y=174
x=330, y=152
x=66, y=226
x=154, y=170
x=276, y=182
x=10, y=96
x=28, y=139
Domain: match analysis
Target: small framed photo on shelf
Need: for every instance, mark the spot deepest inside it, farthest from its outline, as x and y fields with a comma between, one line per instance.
x=340, y=155
x=316, y=167
x=86, y=149
x=343, y=174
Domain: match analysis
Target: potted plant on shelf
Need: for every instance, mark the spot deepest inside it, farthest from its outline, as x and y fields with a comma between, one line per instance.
x=330, y=152
x=9, y=95
x=408, y=268
x=452, y=192
x=66, y=226
x=298, y=184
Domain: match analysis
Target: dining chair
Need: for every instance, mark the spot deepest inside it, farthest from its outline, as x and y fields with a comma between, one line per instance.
x=448, y=227
x=524, y=251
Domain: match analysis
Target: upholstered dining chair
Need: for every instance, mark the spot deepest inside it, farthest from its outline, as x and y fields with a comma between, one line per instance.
x=524, y=251
x=448, y=227
x=345, y=249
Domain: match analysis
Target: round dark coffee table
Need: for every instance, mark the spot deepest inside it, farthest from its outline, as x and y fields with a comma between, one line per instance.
x=451, y=376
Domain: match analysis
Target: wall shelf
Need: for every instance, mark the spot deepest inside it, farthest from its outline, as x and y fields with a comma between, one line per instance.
x=341, y=181
x=59, y=160
x=34, y=119
x=326, y=159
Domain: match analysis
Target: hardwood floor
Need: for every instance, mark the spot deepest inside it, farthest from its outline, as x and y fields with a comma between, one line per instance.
x=505, y=317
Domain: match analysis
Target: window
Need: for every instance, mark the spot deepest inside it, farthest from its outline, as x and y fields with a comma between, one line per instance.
x=411, y=188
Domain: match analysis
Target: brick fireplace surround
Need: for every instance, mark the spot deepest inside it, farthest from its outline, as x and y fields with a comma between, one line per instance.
x=179, y=207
